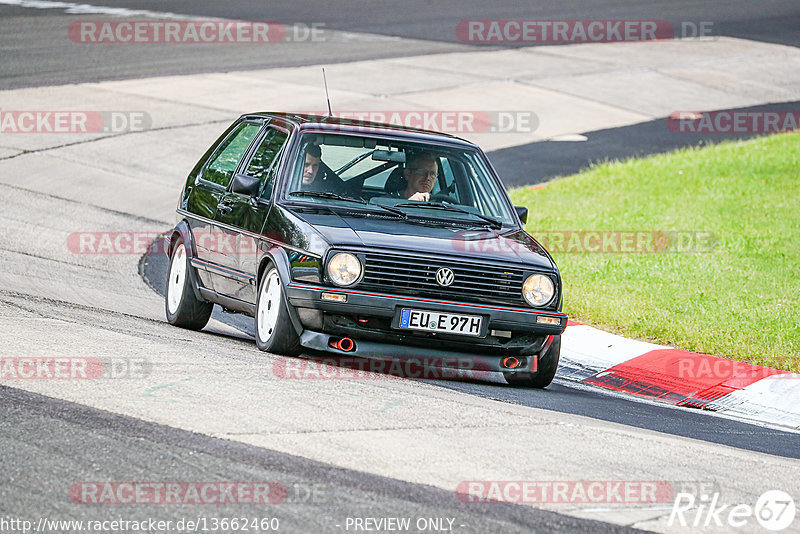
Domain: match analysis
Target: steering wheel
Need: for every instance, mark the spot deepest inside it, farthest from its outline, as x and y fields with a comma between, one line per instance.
x=443, y=197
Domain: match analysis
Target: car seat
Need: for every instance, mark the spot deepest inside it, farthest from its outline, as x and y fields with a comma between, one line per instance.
x=396, y=182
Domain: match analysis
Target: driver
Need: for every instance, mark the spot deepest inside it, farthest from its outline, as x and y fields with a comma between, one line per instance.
x=420, y=173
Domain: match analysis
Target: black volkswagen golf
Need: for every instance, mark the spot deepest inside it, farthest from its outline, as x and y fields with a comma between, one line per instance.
x=364, y=239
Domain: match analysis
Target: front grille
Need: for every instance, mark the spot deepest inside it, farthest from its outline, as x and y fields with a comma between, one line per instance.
x=409, y=275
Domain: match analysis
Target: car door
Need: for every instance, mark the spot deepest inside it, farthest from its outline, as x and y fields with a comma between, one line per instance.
x=214, y=246
x=248, y=213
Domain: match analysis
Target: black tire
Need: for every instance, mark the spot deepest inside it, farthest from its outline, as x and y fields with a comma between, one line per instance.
x=280, y=336
x=548, y=364
x=187, y=310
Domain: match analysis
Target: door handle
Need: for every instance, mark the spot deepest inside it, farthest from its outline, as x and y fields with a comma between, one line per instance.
x=224, y=208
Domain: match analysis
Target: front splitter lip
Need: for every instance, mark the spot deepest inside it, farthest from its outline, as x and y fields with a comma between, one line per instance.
x=472, y=362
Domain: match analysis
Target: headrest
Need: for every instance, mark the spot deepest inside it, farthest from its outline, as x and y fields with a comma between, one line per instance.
x=396, y=182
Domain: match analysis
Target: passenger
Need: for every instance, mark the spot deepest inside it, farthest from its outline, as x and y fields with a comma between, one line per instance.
x=421, y=172
x=311, y=168
x=317, y=176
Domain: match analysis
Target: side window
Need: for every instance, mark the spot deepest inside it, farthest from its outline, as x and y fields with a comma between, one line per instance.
x=222, y=164
x=262, y=163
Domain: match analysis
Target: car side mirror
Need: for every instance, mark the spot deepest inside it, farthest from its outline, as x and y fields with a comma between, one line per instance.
x=522, y=213
x=245, y=185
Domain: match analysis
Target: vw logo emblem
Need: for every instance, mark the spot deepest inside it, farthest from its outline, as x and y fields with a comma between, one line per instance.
x=445, y=276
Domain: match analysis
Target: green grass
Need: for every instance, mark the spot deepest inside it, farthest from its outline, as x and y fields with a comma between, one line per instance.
x=739, y=299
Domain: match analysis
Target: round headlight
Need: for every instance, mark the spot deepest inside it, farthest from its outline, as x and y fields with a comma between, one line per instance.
x=344, y=269
x=538, y=290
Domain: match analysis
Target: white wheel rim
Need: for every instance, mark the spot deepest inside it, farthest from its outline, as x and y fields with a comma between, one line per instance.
x=269, y=301
x=177, y=278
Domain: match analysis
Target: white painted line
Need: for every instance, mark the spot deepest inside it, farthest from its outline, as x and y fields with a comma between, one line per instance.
x=569, y=138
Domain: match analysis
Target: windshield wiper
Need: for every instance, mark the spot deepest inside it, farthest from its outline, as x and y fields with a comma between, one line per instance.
x=335, y=196
x=327, y=194
x=447, y=207
x=399, y=213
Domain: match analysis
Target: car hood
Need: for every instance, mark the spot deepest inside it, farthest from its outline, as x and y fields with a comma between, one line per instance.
x=514, y=246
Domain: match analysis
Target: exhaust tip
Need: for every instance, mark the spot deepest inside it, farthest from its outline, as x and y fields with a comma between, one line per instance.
x=511, y=362
x=344, y=344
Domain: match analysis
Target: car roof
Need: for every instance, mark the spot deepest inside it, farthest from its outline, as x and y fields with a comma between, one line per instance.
x=305, y=121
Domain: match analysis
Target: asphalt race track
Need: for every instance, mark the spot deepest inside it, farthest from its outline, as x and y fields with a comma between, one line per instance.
x=208, y=406
x=544, y=160
x=420, y=26
x=315, y=491
x=566, y=397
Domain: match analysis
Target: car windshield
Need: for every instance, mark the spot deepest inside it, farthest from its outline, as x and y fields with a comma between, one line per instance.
x=452, y=184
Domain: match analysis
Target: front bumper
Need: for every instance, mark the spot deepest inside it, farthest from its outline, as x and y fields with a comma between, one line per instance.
x=524, y=335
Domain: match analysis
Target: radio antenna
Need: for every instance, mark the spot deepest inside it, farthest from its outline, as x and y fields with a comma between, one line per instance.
x=327, y=97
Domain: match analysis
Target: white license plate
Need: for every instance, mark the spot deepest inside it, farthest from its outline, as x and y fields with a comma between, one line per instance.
x=431, y=321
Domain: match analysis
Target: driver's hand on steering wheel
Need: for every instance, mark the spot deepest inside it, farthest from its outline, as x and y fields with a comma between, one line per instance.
x=420, y=196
